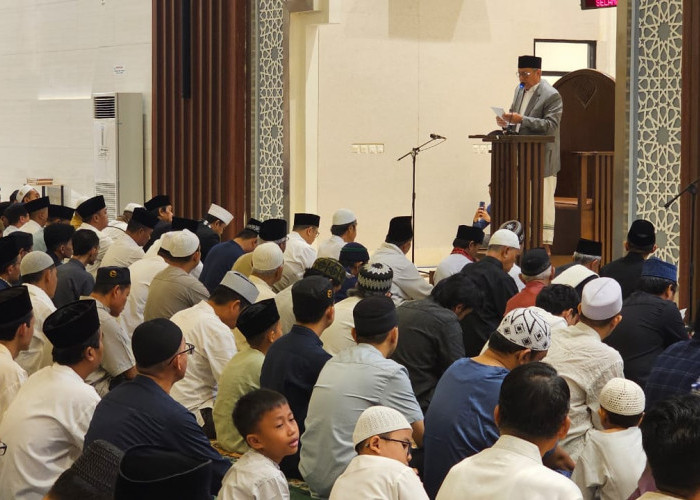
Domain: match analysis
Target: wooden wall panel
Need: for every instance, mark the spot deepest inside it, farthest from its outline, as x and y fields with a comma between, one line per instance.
x=200, y=93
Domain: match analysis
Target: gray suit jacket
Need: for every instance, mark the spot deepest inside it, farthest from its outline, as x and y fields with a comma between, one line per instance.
x=542, y=117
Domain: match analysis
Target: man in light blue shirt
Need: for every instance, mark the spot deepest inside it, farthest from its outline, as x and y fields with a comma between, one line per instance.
x=354, y=380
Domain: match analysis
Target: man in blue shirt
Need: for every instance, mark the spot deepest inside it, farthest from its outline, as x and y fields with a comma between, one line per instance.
x=460, y=421
x=142, y=412
x=294, y=361
x=222, y=256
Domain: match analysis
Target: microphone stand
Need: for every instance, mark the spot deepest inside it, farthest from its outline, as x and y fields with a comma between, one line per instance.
x=691, y=188
x=413, y=153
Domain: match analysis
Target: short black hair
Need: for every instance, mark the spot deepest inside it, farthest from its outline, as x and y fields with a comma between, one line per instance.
x=671, y=440
x=655, y=285
x=341, y=229
x=57, y=234
x=596, y=323
x=73, y=355
x=252, y=407
x=14, y=212
x=223, y=295
x=623, y=421
x=455, y=290
x=533, y=402
x=133, y=226
x=105, y=288
x=5, y=265
x=374, y=339
x=499, y=343
x=397, y=243
x=34, y=278
x=301, y=227
x=460, y=243
x=84, y=240
x=247, y=234
x=555, y=299
x=9, y=330
x=639, y=249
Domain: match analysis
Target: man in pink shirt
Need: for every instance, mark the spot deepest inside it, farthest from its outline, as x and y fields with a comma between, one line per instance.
x=536, y=272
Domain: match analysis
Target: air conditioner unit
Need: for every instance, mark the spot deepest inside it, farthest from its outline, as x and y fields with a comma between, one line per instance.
x=118, y=149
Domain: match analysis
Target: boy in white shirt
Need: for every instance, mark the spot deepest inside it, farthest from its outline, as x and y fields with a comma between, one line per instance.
x=382, y=439
x=613, y=459
x=266, y=422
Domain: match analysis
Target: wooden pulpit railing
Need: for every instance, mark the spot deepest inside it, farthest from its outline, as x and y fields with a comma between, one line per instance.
x=517, y=173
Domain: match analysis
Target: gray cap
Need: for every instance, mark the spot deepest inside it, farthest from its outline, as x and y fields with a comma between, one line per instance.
x=35, y=262
x=237, y=282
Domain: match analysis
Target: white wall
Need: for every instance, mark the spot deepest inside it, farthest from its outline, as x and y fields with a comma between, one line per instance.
x=54, y=54
x=393, y=71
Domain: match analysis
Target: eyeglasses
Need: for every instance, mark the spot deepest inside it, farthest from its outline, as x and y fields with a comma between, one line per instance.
x=406, y=444
x=523, y=74
x=3, y=448
x=189, y=349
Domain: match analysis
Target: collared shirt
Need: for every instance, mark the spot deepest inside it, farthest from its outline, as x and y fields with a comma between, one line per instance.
x=407, y=283
x=649, y=325
x=39, y=353
x=254, y=477
x=452, y=264
x=369, y=476
x=140, y=412
x=73, y=281
x=240, y=376
x=12, y=376
x=117, y=233
x=30, y=227
x=105, y=242
x=498, y=288
x=331, y=247
x=527, y=97
x=172, y=290
x=511, y=468
x=285, y=308
x=123, y=253
x=298, y=255
x=430, y=340
x=291, y=366
x=44, y=429
x=213, y=348
x=349, y=383
x=525, y=297
x=460, y=422
x=610, y=465
x=349, y=283
x=142, y=273
x=587, y=364
x=4, y=284
x=117, y=357
x=673, y=371
x=626, y=271
x=338, y=336
x=220, y=260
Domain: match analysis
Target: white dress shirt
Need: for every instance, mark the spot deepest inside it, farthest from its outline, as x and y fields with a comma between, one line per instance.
x=587, y=364
x=9, y=230
x=105, y=242
x=142, y=273
x=31, y=227
x=254, y=477
x=407, y=283
x=285, y=308
x=122, y=253
x=39, y=353
x=214, y=346
x=338, y=336
x=298, y=255
x=12, y=376
x=511, y=468
x=331, y=247
x=450, y=265
x=44, y=429
x=369, y=476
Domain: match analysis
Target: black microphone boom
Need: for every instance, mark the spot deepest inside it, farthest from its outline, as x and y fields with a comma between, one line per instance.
x=435, y=136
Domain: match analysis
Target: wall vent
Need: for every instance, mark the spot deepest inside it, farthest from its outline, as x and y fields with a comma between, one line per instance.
x=105, y=106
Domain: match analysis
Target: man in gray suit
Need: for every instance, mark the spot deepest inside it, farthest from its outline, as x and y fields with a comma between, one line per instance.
x=536, y=110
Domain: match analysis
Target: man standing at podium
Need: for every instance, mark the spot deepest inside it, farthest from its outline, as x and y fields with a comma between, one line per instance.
x=536, y=110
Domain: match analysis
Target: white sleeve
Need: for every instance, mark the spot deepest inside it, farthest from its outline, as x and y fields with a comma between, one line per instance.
x=409, y=487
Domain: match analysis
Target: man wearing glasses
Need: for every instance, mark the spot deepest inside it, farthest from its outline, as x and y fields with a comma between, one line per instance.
x=299, y=255
x=536, y=110
x=142, y=411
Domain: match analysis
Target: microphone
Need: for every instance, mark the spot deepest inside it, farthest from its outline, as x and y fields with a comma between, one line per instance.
x=518, y=102
x=435, y=136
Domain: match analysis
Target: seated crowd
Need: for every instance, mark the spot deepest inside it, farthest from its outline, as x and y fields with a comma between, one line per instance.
x=146, y=358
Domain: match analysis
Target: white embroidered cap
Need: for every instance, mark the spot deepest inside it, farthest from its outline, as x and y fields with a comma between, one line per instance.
x=506, y=238
x=526, y=327
x=221, y=213
x=623, y=397
x=181, y=243
x=573, y=276
x=343, y=216
x=34, y=262
x=601, y=299
x=23, y=191
x=378, y=420
x=267, y=256
x=131, y=207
